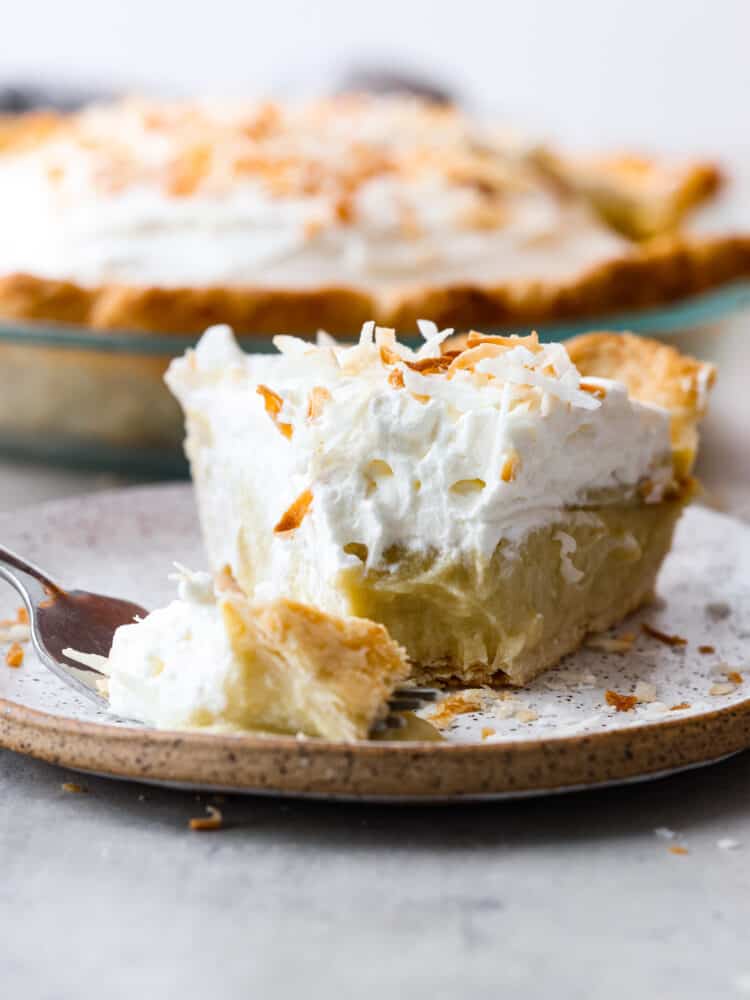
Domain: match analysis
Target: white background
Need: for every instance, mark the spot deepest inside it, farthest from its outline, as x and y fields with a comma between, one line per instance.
x=669, y=74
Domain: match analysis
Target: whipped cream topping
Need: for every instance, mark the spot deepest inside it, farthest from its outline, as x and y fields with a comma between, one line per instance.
x=173, y=668
x=366, y=192
x=325, y=456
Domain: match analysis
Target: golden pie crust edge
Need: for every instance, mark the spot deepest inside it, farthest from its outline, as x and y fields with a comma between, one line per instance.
x=662, y=271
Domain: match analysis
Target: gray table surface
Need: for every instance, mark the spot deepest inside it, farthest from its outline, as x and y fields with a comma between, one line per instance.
x=573, y=897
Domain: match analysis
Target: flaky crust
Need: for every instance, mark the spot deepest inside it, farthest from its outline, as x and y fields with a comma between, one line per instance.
x=653, y=373
x=661, y=271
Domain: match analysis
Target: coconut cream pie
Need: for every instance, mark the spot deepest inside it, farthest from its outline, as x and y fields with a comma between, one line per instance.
x=489, y=500
x=279, y=216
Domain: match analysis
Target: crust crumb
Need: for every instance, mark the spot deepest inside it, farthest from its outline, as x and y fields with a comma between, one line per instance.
x=459, y=703
x=73, y=788
x=273, y=403
x=292, y=517
x=645, y=692
x=665, y=637
x=679, y=706
x=526, y=715
x=621, y=702
x=606, y=644
x=214, y=820
x=396, y=378
x=706, y=649
x=735, y=677
x=14, y=656
x=678, y=849
x=723, y=687
x=487, y=731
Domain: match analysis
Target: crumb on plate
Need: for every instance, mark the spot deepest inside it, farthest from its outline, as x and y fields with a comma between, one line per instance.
x=14, y=656
x=620, y=702
x=213, y=821
x=665, y=637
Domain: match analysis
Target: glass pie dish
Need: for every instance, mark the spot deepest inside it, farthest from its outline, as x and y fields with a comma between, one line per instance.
x=95, y=398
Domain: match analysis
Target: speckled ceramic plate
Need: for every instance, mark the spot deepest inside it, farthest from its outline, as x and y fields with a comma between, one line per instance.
x=556, y=735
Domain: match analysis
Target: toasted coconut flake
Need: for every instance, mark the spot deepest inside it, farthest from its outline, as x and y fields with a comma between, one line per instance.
x=665, y=637
x=510, y=466
x=14, y=656
x=680, y=706
x=343, y=209
x=530, y=342
x=72, y=788
x=469, y=358
x=678, y=849
x=735, y=677
x=22, y=616
x=388, y=356
x=706, y=649
x=487, y=731
x=293, y=517
x=188, y=170
x=319, y=396
x=396, y=378
x=431, y=366
x=214, y=820
x=620, y=702
x=595, y=390
x=274, y=403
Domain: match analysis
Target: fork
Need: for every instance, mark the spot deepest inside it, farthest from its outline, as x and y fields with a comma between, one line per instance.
x=61, y=619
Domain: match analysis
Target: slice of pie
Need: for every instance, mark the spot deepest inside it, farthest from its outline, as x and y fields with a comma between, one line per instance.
x=489, y=502
x=214, y=660
x=638, y=196
x=168, y=216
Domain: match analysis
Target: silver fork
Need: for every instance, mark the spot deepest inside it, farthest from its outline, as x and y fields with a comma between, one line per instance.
x=61, y=619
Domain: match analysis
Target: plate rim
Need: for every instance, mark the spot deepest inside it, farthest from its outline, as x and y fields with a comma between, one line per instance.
x=376, y=769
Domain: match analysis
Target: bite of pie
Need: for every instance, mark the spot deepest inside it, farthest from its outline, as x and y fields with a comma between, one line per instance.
x=213, y=660
x=489, y=500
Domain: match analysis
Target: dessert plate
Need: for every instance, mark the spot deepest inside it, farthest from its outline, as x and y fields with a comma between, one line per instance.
x=558, y=734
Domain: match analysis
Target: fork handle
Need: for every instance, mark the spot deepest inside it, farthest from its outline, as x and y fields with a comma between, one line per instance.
x=28, y=580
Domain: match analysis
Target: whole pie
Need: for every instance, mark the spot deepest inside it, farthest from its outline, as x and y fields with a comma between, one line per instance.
x=489, y=499
x=273, y=217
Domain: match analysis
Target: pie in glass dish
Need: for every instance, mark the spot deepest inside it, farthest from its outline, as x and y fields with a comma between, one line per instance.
x=166, y=217
x=490, y=500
